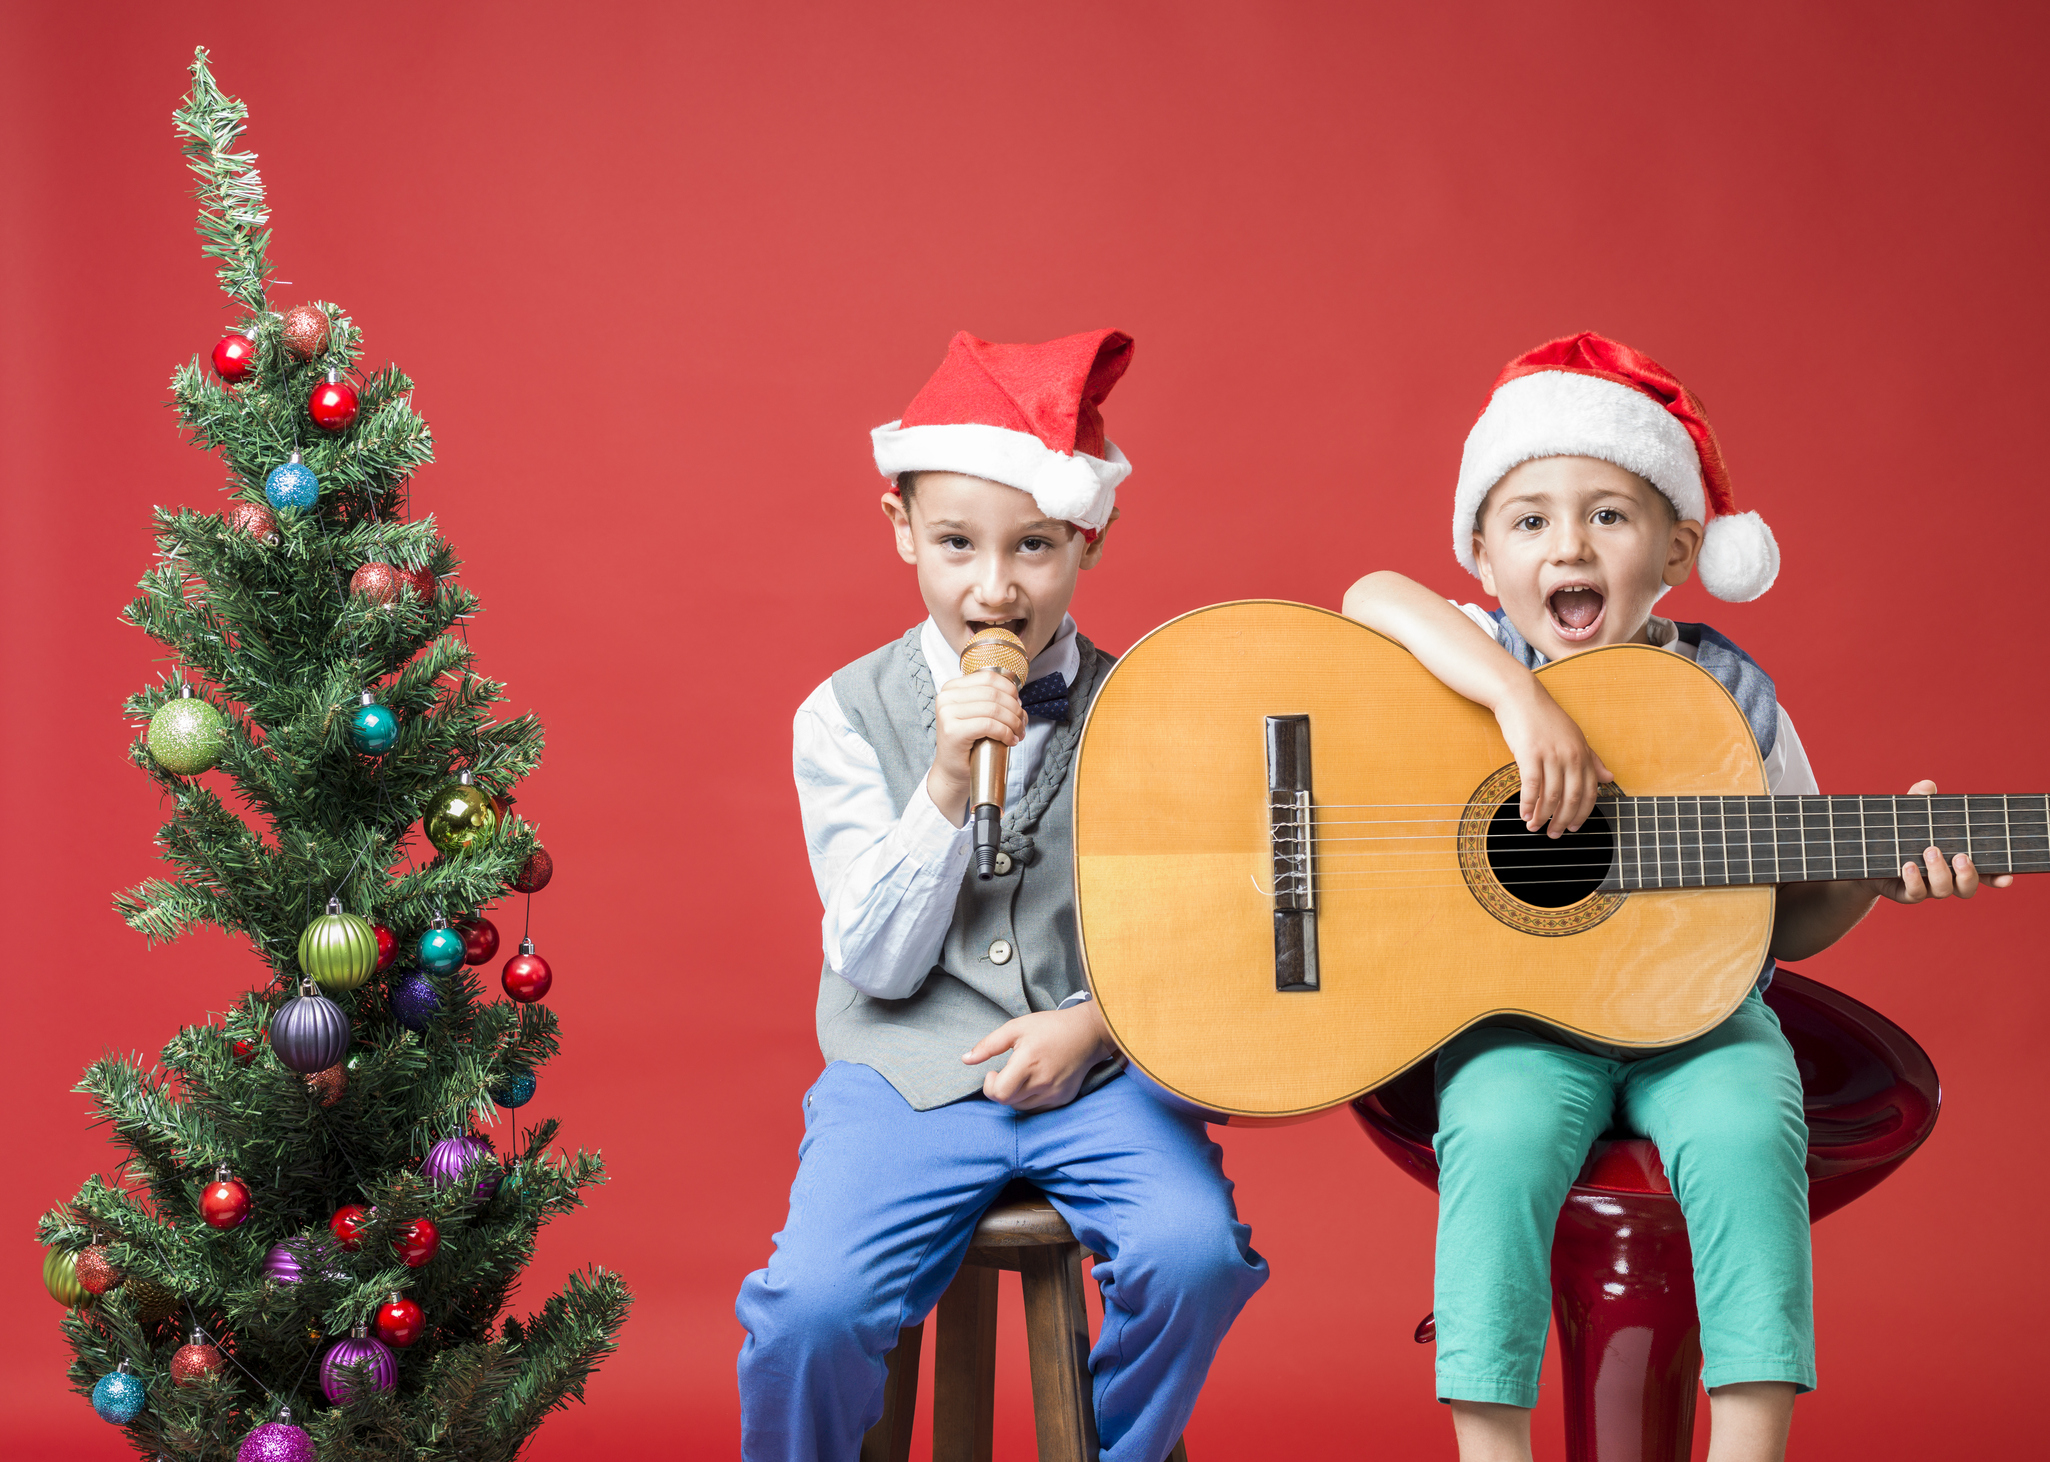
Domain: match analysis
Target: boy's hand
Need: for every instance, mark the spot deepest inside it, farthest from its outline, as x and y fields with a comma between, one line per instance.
x=1561, y=774
x=1941, y=880
x=1051, y=1051
x=982, y=706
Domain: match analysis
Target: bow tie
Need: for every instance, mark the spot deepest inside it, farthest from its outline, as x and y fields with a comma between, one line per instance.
x=1046, y=699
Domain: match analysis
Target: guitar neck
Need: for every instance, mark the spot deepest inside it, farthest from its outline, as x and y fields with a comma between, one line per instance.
x=1704, y=842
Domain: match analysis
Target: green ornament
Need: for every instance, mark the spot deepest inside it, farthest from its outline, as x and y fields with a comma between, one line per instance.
x=187, y=735
x=460, y=817
x=60, y=1277
x=338, y=950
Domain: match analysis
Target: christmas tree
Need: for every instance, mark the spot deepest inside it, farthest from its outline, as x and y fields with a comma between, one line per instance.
x=309, y=1246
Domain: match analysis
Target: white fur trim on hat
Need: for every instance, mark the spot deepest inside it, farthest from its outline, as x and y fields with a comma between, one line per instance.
x=1739, y=558
x=1566, y=414
x=1076, y=488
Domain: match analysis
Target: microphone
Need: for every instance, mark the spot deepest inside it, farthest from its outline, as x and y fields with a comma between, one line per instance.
x=989, y=762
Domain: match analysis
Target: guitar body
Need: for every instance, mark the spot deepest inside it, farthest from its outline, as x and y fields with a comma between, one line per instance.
x=1415, y=938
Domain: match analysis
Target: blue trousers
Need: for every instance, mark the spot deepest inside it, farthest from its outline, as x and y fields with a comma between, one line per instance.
x=885, y=1203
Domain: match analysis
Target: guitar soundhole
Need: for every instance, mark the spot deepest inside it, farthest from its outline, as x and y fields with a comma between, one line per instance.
x=1550, y=873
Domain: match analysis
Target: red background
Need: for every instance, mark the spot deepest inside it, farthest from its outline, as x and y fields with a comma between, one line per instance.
x=658, y=269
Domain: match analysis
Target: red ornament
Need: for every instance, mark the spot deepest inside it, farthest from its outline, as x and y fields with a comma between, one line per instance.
x=422, y=581
x=417, y=1242
x=526, y=976
x=224, y=1202
x=196, y=1360
x=399, y=1322
x=333, y=405
x=245, y=1050
x=327, y=1086
x=96, y=1272
x=234, y=358
x=377, y=582
x=255, y=519
x=480, y=939
x=386, y=947
x=347, y=1225
x=304, y=332
x=535, y=872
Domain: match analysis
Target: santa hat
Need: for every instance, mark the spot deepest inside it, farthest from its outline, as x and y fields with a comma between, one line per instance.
x=1586, y=396
x=1022, y=415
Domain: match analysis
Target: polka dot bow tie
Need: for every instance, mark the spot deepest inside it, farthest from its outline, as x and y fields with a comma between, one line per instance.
x=1046, y=699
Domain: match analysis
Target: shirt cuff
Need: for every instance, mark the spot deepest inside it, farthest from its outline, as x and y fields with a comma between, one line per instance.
x=925, y=835
x=1080, y=997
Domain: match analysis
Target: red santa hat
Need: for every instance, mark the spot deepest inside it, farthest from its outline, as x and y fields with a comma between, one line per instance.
x=1587, y=396
x=1023, y=415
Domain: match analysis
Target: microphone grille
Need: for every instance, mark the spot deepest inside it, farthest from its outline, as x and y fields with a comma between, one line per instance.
x=995, y=649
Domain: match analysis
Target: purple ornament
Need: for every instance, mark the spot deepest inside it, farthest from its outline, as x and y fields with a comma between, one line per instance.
x=414, y=1002
x=277, y=1441
x=292, y=1261
x=342, y=1385
x=309, y=1032
x=448, y=1159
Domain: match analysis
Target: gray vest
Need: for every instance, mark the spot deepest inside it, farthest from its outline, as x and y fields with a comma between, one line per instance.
x=916, y=1043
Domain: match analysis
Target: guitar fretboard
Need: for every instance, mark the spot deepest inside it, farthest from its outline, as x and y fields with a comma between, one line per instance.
x=1705, y=842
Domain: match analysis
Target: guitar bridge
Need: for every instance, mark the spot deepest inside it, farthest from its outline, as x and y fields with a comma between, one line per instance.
x=1294, y=853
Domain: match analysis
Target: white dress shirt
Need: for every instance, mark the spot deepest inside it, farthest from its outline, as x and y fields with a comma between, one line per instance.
x=889, y=880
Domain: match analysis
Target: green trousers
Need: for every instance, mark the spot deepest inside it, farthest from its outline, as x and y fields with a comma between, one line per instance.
x=1516, y=1116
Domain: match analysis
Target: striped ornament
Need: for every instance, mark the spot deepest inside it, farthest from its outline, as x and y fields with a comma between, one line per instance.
x=338, y=950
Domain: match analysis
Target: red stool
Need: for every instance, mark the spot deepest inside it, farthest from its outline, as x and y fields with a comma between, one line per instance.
x=1622, y=1274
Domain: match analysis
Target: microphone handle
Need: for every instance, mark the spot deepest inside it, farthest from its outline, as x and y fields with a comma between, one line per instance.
x=989, y=763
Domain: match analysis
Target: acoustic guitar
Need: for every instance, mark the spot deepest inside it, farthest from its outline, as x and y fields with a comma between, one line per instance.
x=1299, y=868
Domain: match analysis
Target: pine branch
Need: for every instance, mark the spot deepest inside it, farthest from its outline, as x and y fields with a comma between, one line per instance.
x=232, y=212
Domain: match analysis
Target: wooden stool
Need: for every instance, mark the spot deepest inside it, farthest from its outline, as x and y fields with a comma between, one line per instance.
x=1021, y=1231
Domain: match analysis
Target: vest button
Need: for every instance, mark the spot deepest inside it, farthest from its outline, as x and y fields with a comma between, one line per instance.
x=1000, y=951
x=1003, y=862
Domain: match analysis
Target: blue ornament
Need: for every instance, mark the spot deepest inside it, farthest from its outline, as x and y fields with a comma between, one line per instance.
x=373, y=728
x=516, y=1090
x=441, y=949
x=291, y=486
x=414, y=1001
x=118, y=1396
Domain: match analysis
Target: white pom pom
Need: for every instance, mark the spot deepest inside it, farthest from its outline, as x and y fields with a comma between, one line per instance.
x=1066, y=487
x=1739, y=558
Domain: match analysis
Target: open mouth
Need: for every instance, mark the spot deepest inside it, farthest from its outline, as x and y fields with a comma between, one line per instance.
x=1576, y=611
x=1015, y=626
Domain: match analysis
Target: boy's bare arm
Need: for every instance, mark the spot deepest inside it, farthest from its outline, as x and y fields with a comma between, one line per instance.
x=1809, y=917
x=1561, y=773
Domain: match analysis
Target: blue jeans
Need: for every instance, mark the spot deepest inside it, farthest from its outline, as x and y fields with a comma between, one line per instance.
x=885, y=1203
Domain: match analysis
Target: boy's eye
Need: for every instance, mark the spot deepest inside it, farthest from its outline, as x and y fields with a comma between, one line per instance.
x=956, y=542
x=1530, y=522
x=1607, y=517
x=1035, y=545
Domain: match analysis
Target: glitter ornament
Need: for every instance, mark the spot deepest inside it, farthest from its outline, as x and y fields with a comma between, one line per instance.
x=195, y=1360
x=224, y=1203
x=150, y=1301
x=535, y=872
x=187, y=735
x=386, y=946
x=516, y=1090
x=441, y=948
x=326, y=1087
x=277, y=1441
x=60, y=1277
x=347, y=1225
x=339, y=950
x=291, y=486
x=399, y=1321
x=422, y=581
x=526, y=975
x=414, y=1001
x=480, y=939
x=309, y=1032
x=450, y=1160
x=417, y=1243
x=304, y=332
x=378, y=583
x=333, y=404
x=372, y=731
x=459, y=817
x=234, y=358
x=96, y=1271
x=255, y=519
x=118, y=1396
x=361, y=1365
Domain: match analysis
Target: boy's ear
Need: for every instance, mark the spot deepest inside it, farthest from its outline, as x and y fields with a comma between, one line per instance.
x=1487, y=570
x=1681, y=552
x=1092, y=553
x=900, y=519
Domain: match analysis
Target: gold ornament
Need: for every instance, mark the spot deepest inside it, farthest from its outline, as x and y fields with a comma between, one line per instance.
x=152, y=1301
x=460, y=817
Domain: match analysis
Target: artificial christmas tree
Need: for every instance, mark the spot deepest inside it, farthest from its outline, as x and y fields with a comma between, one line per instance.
x=310, y=1099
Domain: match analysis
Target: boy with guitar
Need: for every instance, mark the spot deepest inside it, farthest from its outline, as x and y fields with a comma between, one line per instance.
x=1590, y=485
x=1002, y=487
